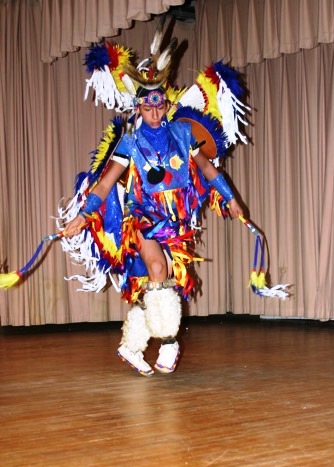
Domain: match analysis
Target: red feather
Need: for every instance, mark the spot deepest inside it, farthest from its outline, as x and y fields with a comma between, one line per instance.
x=113, y=52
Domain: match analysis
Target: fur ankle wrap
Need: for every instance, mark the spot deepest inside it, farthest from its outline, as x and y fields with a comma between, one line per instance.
x=135, y=333
x=163, y=312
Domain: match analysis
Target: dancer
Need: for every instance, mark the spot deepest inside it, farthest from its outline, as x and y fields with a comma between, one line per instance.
x=141, y=227
x=162, y=156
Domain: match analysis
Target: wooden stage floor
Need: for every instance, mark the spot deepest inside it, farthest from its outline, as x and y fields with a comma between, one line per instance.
x=247, y=392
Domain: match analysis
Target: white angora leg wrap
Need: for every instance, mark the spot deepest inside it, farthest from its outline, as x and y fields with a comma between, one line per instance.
x=163, y=312
x=135, y=333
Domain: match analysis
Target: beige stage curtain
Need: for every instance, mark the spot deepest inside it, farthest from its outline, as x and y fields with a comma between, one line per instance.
x=249, y=31
x=69, y=25
x=48, y=132
x=284, y=175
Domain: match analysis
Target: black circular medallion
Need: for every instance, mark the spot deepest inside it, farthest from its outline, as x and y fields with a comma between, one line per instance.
x=156, y=175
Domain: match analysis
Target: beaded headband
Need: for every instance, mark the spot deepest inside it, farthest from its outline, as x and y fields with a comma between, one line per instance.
x=154, y=98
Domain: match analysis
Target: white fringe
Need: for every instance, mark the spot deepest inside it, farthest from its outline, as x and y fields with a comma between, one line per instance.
x=194, y=222
x=231, y=110
x=277, y=291
x=80, y=247
x=107, y=92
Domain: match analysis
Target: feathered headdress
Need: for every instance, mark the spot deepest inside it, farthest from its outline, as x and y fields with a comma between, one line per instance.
x=115, y=78
x=212, y=104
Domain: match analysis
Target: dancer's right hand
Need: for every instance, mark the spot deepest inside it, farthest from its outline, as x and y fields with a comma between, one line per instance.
x=75, y=226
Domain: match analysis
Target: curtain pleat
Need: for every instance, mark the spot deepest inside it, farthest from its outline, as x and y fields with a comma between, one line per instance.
x=4, y=171
x=325, y=190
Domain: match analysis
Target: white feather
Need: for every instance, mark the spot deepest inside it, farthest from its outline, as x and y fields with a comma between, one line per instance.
x=193, y=97
x=156, y=42
x=277, y=291
x=163, y=60
x=166, y=55
x=106, y=91
x=128, y=83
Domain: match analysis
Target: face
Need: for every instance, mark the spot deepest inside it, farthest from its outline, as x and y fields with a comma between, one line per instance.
x=152, y=115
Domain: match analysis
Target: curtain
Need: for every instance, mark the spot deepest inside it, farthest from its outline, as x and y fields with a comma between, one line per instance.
x=69, y=25
x=288, y=185
x=249, y=31
x=284, y=175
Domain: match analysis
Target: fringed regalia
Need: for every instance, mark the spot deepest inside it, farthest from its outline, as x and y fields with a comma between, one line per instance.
x=165, y=210
x=164, y=190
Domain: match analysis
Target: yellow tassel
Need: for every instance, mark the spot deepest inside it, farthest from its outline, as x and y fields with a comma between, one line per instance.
x=257, y=280
x=261, y=280
x=8, y=280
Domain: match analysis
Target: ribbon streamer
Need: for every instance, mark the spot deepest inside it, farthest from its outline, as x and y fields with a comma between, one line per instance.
x=257, y=280
x=9, y=279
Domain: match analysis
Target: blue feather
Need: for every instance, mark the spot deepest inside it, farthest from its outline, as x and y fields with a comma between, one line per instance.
x=210, y=123
x=78, y=180
x=96, y=58
x=231, y=77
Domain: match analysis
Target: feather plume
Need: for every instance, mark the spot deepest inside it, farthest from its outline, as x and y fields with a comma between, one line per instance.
x=165, y=58
x=157, y=39
x=96, y=58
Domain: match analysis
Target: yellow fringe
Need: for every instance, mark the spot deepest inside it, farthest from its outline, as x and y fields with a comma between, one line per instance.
x=169, y=198
x=108, y=245
x=215, y=203
x=138, y=289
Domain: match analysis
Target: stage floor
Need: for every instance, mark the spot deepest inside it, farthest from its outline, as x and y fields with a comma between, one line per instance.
x=246, y=392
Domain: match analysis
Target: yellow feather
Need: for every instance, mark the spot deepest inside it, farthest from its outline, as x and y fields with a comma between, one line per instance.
x=261, y=280
x=124, y=58
x=103, y=146
x=211, y=94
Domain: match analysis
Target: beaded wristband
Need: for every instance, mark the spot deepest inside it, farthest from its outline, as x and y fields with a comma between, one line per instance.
x=222, y=187
x=93, y=203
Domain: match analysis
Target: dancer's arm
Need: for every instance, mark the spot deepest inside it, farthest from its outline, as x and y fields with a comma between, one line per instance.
x=216, y=179
x=95, y=198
